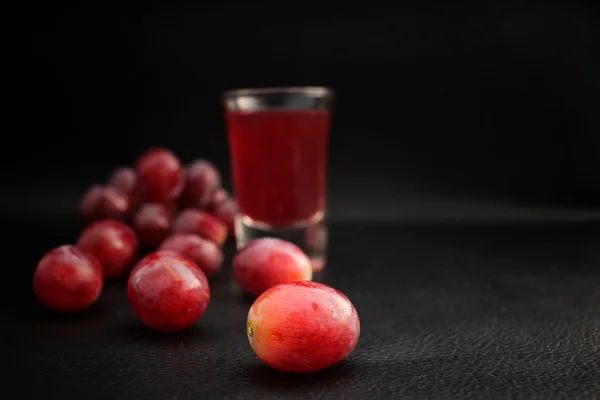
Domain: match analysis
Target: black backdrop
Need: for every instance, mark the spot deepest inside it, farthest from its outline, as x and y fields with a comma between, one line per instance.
x=481, y=100
x=485, y=109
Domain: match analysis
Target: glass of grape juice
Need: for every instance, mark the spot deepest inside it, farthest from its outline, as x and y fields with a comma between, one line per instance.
x=278, y=140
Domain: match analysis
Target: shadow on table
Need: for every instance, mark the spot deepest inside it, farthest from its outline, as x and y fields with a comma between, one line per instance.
x=247, y=299
x=37, y=312
x=263, y=375
x=139, y=332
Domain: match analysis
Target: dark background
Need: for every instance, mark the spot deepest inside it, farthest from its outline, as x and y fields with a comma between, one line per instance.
x=442, y=110
x=461, y=112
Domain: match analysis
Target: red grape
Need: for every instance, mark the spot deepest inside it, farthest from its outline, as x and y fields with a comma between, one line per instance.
x=302, y=327
x=125, y=179
x=266, y=262
x=167, y=291
x=113, y=243
x=201, y=179
x=153, y=223
x=160, y=177
x=225, y=212
x=101, y=202
x=202, y=224
x=219, y=196
x=67, y=280
x=206, y=254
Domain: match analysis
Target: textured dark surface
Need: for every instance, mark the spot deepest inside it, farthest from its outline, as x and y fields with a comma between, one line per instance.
x=448, y=312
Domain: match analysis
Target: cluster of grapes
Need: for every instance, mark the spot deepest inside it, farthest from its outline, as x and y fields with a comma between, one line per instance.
x=183, y=216
x=150, y=195
x=158, y=205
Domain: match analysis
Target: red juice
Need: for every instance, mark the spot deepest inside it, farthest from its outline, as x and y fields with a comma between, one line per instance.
x=279, y=160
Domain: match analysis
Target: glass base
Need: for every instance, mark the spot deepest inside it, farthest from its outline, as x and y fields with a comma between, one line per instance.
x=310, y=236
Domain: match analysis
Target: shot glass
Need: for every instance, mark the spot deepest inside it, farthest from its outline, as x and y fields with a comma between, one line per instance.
x=279, y=141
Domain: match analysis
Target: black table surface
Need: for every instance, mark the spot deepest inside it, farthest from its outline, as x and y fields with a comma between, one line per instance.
x=453, y=312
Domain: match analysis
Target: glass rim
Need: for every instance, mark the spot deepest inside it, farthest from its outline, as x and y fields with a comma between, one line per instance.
x=316, y=91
